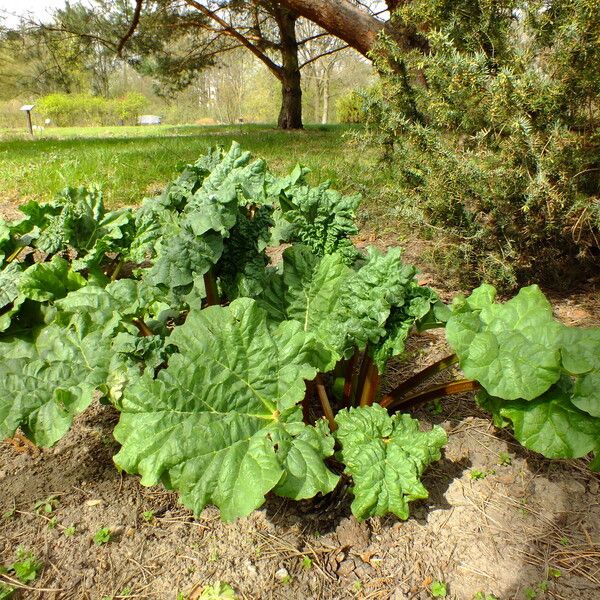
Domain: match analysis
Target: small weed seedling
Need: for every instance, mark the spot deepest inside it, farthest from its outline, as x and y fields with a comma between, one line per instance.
x=102, y=536
x=531, y=593
x=218, y=591
x=46, y=506
x=6, y=591
x=435, y=407
x=70, y=531
x=148, y=516
x=27, y=567
x=556, y=573
x=504, y=459
x=438, y=589
x=307, y=563
x=477, y=474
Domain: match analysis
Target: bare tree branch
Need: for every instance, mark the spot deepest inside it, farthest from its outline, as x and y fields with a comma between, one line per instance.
x=323, y=54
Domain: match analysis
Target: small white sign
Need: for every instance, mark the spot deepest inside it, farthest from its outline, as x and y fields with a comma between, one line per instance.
x=27, y=107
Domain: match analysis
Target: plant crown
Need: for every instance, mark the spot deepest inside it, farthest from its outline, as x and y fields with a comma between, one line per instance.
x=221, y=364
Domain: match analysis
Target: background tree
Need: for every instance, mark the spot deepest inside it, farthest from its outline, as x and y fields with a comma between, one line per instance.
x=173, y=41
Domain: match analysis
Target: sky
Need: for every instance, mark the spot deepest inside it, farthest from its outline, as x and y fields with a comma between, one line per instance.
x=11, y=10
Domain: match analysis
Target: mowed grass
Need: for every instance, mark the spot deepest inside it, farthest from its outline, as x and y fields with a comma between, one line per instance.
x=131, y=163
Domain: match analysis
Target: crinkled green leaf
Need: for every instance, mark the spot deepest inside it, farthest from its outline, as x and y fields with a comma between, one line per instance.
x=109, y=308
x=343, y=307
x=586, y=393
x=220, y=424
x=307, y=289
x=242, y=267
x=42, y=392
x=76, y=218
x=419, y=302
x=393, y=344
x=301, y=450
x=580, y=349
x=234, y=181
x=324, y=219
x=551, y=425
x=512, y=349
x=10, y=299
x=386, y=456
x=279, y=186
x=366, y=300
x=184, y=257
x=9, y=284
x=50, y=281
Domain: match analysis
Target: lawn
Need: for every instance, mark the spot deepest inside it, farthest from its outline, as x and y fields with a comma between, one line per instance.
x=133, y=162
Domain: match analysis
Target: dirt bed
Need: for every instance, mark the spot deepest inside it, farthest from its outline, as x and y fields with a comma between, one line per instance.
x=499, y=520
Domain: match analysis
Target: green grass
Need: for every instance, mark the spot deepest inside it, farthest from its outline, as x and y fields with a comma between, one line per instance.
x=131, y=163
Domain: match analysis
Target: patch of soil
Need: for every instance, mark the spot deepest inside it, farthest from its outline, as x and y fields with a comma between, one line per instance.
x=499, y=520
x=9, y=208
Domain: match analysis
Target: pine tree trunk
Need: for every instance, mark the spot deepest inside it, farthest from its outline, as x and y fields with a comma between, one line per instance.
x=290, y=115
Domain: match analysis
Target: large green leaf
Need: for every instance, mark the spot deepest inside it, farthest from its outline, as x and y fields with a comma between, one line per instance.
x=386, y=456
x=50, y=281
x=580, y=351
x=550, y=424
x=307, y=289
x=184, y=257
x=221, y=424
x=512, y=349
x=343, y=307
x=42, y=391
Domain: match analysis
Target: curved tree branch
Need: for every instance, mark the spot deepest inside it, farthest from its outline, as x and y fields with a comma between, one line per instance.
x=340, y=18
x=134, y=23
x=315, y=58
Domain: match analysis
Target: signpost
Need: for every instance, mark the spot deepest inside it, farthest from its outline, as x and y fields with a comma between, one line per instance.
x=28, y=108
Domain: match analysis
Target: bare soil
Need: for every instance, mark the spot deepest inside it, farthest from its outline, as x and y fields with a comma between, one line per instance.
x=499, y=520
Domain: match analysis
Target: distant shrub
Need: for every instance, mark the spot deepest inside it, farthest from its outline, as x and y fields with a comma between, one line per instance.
x=131, y=105
x=351, y=107
x=84, y=109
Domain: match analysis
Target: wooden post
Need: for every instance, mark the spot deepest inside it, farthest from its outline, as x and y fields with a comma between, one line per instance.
x=27, y=108
x=28, y=113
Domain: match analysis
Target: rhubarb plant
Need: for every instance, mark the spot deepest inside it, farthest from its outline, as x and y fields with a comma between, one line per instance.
x=235, y=377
